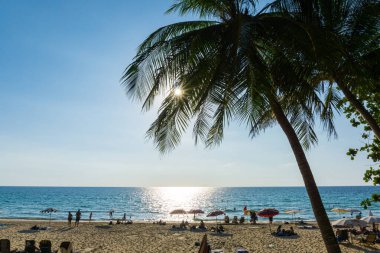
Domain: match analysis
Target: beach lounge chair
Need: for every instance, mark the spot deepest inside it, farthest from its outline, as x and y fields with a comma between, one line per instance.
x=370, y=239
x=5, y=246
x=343, y=236
x=66, y=247
x=45, y=246
x=30, y=246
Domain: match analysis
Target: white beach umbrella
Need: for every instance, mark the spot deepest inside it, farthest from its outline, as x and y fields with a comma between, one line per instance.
x=292, y=212
x=371, y=219
x=349, y=223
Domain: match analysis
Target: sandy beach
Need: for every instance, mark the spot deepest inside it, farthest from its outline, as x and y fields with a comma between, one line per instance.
x=147, y=237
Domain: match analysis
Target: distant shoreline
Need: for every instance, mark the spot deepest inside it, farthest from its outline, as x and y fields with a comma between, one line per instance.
x=278, y=186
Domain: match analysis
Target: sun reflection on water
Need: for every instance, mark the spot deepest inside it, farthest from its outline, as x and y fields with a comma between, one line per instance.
x=167, y=199
x=178, y=196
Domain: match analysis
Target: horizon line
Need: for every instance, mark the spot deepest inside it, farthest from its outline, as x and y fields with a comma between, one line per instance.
x=279, y=186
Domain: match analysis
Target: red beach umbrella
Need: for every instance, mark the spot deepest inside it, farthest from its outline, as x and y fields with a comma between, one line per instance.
x=268, y=213
x=215, y=214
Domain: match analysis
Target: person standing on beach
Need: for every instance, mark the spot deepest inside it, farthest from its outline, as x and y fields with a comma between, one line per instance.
x=124, y=218
x=90, y=218
x=69, y=218
x=77, y=217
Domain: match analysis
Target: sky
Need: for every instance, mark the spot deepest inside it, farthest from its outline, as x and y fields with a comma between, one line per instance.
x=65, y=119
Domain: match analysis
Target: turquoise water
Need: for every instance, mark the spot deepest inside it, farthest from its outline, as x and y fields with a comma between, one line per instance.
x=156, y=203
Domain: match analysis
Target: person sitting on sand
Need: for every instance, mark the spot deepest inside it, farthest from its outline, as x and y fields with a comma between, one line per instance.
x=301, y=222
x=226, y=219
x=235, y=220
x=182, y=225
x=35, y=227
x=160, y=222
x=278, y=229
x=290, y=232
x=202, y=225
x=130, y=220
x=219, y=229
x=118, y=221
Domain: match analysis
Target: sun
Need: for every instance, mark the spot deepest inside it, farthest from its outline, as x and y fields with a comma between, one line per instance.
x=178, y=92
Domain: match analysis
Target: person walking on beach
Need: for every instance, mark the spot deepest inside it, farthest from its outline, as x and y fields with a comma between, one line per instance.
x=77, y=217
x=69, y=218
x=90, y=218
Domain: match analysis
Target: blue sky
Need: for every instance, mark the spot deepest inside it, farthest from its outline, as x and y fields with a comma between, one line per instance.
x=65, y=119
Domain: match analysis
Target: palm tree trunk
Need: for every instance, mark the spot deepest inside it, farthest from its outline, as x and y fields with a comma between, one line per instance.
x=327, y=232
x=360, y=108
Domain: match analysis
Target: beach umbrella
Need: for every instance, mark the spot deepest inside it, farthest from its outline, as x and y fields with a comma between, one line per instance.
x=49, y=211
x=178, y=211
x=349, y=223
x=268, y=213
x=215, y=214
x=339, y=210
x=371, y=219
x=292, y=212
x=195, y=211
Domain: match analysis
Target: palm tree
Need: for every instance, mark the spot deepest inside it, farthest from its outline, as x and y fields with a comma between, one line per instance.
x=229, y=67
x=353, y=29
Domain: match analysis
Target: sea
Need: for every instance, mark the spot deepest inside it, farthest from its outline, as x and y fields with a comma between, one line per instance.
x=149, y=204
